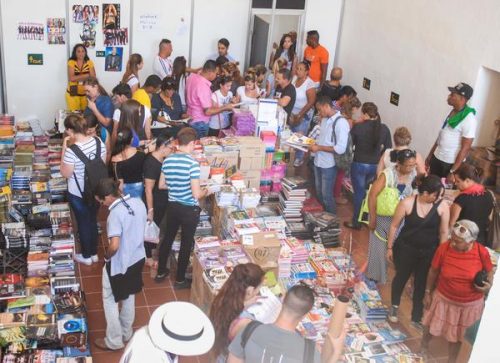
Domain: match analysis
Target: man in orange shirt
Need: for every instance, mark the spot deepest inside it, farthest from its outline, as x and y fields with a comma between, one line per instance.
x=317, y=55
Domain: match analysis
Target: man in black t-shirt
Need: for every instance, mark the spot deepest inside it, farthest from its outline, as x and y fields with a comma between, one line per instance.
x=285, y=91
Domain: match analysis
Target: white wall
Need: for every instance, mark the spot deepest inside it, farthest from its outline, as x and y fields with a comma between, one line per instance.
x=217, y=19
x=33, y=91
x=417, y=49
x=174, y=23
x=324, y=16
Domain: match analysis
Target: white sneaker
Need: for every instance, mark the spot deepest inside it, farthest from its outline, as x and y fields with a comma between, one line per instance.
x=298, y=162
x=94, y=258
x=86, y=261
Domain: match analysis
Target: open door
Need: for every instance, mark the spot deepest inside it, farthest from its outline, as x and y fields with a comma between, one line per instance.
x=260, y=39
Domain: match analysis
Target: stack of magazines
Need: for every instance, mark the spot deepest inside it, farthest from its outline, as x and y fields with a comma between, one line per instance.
x=292, y=197
x=326, y=227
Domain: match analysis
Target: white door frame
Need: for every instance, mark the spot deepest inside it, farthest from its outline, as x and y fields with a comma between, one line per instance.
x=273, y=13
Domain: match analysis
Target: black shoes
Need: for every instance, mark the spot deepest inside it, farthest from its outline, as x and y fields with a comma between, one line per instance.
x=186, y=284
x=161, y=277
x=351, y=225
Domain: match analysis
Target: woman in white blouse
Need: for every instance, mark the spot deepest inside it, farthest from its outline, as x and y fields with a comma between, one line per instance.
x=302, y=111
x=249, y=93
x=131, y=76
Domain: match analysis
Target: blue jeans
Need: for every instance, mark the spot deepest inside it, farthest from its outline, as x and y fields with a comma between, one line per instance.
x=361, y=175
x=324, y=180
x=200, y=127
x=135, y=190
x=302, y=128
x=86, y=219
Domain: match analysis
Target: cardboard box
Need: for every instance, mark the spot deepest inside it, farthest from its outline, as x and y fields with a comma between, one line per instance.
x=201, y=293
x=251, y=163
x=228, y=158
x=251, y=146
x=263, y=248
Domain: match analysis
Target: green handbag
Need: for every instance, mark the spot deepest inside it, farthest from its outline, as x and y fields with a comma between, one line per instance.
x=387, y=201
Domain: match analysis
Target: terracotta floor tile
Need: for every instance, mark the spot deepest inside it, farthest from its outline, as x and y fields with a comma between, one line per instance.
x=149, y=282
x=159, y=296
x=141, y=317
x=107, y=357
x=188, y=360
x=183, y=295
x=92, y=284
x=94, y=301
x=96, y=320
x=93, y=270
x=140, y=300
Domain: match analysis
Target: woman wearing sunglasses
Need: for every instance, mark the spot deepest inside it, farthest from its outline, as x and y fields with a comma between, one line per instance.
x=393, y=185
x=425, y=225
x=461, y=274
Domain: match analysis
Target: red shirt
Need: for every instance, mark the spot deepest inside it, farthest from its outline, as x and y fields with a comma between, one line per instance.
x=458, y=269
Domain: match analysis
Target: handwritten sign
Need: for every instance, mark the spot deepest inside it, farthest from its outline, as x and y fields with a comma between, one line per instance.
x=149, y=22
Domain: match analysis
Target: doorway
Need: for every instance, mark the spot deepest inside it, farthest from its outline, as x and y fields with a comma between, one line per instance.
x=485, y=101
x=266, y=29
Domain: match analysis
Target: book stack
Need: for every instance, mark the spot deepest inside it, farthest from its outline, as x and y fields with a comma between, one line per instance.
x=303, y=271
x=12, y=286
x=292, y=197
x=285, y=260
x=60, y=218
x=38, y=263
x=42, y=328
x=240, y=223
x=55, y=152
x=58, y=188
x=299, y=252
x=61, y=256
x=229, y=144
x=227, y=196
x=243, y=124
x=369, y=301
x=249, y=198
x=215, y=277
x=15, y=235
x=269, y=139
x=326, y=228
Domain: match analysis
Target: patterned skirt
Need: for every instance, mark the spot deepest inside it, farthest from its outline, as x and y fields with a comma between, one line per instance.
x=377, y=250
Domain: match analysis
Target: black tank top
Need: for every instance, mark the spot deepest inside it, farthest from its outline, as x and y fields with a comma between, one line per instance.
x=419, y=235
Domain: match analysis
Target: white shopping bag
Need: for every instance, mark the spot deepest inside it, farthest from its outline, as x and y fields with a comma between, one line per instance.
x=152, y=233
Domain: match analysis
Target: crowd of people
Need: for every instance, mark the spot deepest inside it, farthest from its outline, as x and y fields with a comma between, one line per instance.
x=398, y=194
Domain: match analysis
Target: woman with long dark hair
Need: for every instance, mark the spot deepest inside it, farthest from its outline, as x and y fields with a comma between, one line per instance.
x=285, y=50
x=370, y=138
x=474, y=202
x=425, y=227
x=127, y=164
x=131, y=75
x=180, y=75
x=131, y=117
x=99, y=103
x=80, y=67
x=228, y=312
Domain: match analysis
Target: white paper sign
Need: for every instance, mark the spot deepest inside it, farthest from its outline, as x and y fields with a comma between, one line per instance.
x=149, y=22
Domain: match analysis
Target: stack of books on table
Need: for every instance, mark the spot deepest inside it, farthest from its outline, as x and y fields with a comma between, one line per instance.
x=15, y=235
x=61, y=255
x=38, y=263
x=292, y=197
x=299, y=252
x=58, y=188
x=227, y=196
x=369, y=301
x=12, y=286
x=55, y=152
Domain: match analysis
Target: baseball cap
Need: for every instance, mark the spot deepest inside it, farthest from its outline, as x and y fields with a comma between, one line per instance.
x=462, y=89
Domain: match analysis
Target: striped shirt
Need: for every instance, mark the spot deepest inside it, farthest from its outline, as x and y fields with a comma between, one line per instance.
x=89, y=149
x=179, y=169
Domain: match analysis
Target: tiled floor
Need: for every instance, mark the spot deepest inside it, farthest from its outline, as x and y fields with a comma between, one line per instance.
x=154, y=295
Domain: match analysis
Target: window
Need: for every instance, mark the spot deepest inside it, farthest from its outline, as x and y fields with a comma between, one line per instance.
x=291, y=4
x=262, y=4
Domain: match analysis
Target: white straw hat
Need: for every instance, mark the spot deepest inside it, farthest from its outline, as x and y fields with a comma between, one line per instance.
x=181, y=328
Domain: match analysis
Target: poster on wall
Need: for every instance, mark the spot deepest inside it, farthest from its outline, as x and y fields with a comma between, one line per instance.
x=114, y=57
x=87, y=34
x=114, y=37
x=30, y=31
x=85, y=13
x=56, y=30
x=110, y=16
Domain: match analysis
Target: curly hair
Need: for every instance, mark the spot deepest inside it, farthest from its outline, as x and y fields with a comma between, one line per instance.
x=228, y=303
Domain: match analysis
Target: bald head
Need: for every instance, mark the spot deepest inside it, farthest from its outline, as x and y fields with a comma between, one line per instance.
x=336, y=74
x=298, y=301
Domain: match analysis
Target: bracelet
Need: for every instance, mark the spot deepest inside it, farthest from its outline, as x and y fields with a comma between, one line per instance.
x=150, y=209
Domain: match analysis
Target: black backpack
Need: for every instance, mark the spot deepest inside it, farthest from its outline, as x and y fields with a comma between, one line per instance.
x=95, y=170
x=309, y=345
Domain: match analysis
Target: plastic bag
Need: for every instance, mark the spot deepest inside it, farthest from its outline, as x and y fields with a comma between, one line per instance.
x=152, y=233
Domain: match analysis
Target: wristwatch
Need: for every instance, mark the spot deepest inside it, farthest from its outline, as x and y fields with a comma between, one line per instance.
x=452, y=171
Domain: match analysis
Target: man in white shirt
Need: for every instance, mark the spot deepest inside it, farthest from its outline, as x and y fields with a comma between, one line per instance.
x=456, y=135
x=162, y=64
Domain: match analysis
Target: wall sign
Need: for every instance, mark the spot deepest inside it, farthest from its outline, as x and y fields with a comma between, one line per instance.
x=100, y=53
x=394, y=99
x=366, y=83
x=35, y=59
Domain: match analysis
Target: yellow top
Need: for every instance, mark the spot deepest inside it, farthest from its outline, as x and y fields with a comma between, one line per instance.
x=79, y=71
x=142, y=97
